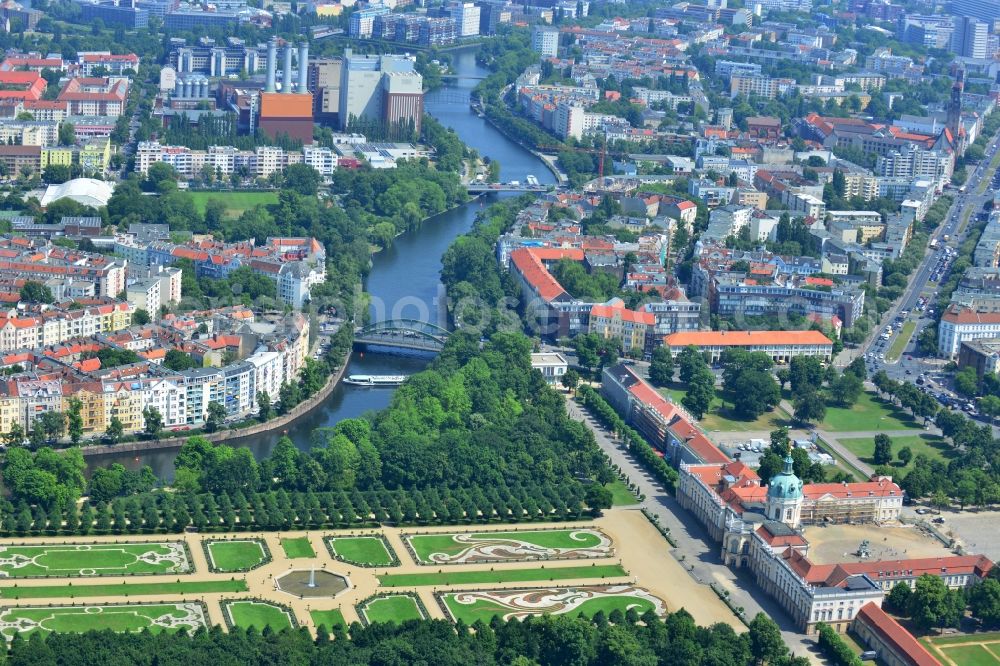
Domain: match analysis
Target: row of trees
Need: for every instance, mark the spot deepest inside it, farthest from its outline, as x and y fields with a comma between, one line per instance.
x=635, y=442
x=549, y=640
x=157, y=512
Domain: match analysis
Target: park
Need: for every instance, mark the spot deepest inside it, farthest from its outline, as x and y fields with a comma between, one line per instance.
x=385, y=574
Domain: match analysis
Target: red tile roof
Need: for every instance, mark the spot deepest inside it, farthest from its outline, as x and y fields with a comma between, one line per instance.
x=957, y=314
x=618, y=310
x=893, y=633
x=745, y=338
x=529, y=263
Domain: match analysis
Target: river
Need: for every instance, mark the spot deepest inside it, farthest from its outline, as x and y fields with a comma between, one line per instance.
x=404, y=280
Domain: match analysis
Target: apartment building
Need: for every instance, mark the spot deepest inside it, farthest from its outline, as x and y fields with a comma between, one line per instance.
x=614, y=320
x=960, y=324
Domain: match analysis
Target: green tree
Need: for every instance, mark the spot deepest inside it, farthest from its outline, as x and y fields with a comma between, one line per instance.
x=598, y=497
x=216, y=414
x=177, y=360
x=14, y=436
x=264, y=407
x=752, y=393
x=140, y=317
x=809, y=407
x=67, y=134
x=932, y=604
x=905, y=455
x=303, y=179
x=75, y=420
x=570, y=379
x=700, y=393
x=984, y=602
x=36, y=292
x=661, y=367
x=967, y=382
x=805, y=374
x=766, y=644
x=883, y=449
x=153, y=420
x=898, y=599
x=115, y=430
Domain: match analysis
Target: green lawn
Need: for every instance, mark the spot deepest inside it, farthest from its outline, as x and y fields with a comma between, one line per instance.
x=482, y=607
x=134, y=617
x=957, y=639
x=620, y=494
x=720, y=414
x=932, y=446
x=869, y=413
x=899, y=344
x=121, y=589
x=236, y=202
x=257, y=614
x=328, y=618
x=971, y=655
x=501, y=576
x=466, y=547
x=365, y=550
x=394, y=608
x=236, y=555
x=297, y=547
x=105, y=559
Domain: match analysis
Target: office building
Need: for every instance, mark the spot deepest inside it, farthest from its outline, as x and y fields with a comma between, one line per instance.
x=984, y=10
x=466, y=18
x=545, y=40
x=969, y=38
x=130, y=18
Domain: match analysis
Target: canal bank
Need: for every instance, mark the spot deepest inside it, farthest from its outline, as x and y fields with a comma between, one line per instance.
x=404, y=282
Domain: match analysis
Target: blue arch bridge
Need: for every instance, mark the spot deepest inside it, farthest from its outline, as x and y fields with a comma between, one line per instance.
x=402, y=334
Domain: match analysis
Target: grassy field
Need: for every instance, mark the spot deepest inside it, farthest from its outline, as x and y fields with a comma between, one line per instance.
x=328, y=618
x=135, y=617
x=932, y=446
x=297, y=547
x=621, y=495
x=899, y=344
x=720, y=414
x=105, y=559
x=501, y=576
x=236, y=202
x=236, y=555
x=365, y=550
x=971, y=655
x=121, y=589
x=394, y=608
x=258, y=614
x=868, y=413
x=986, y=637
x=470, y=607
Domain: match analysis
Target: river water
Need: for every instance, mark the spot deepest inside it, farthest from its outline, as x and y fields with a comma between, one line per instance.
x=404, y=280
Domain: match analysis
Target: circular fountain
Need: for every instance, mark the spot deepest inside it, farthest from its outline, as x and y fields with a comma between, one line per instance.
x=312, y=583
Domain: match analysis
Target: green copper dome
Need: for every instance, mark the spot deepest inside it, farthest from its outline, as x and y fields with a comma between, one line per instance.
x=785, y=486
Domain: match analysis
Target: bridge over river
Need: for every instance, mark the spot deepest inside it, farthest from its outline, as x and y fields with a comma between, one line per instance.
x=482, y=188
x=402, y=334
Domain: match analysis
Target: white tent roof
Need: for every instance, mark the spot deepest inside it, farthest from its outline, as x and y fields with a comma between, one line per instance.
x=86, y=191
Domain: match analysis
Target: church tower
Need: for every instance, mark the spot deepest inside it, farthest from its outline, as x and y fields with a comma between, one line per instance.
x=784, y=496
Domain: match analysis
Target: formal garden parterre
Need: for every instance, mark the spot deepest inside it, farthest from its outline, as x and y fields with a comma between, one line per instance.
x=371, y=550
x=236, y=555
x=515, y=546
x=396, y=608
x=509, y=604
x=116, y=617
x=257, y=613
x=94, y=559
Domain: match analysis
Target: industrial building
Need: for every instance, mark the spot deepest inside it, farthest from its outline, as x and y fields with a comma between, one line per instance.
x=384, y=87
x=287, y=112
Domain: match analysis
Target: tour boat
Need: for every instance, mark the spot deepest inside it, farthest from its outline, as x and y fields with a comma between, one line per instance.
x=375, y=380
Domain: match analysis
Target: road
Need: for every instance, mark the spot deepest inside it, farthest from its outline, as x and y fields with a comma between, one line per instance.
x=695, y=550
x=936, y=264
